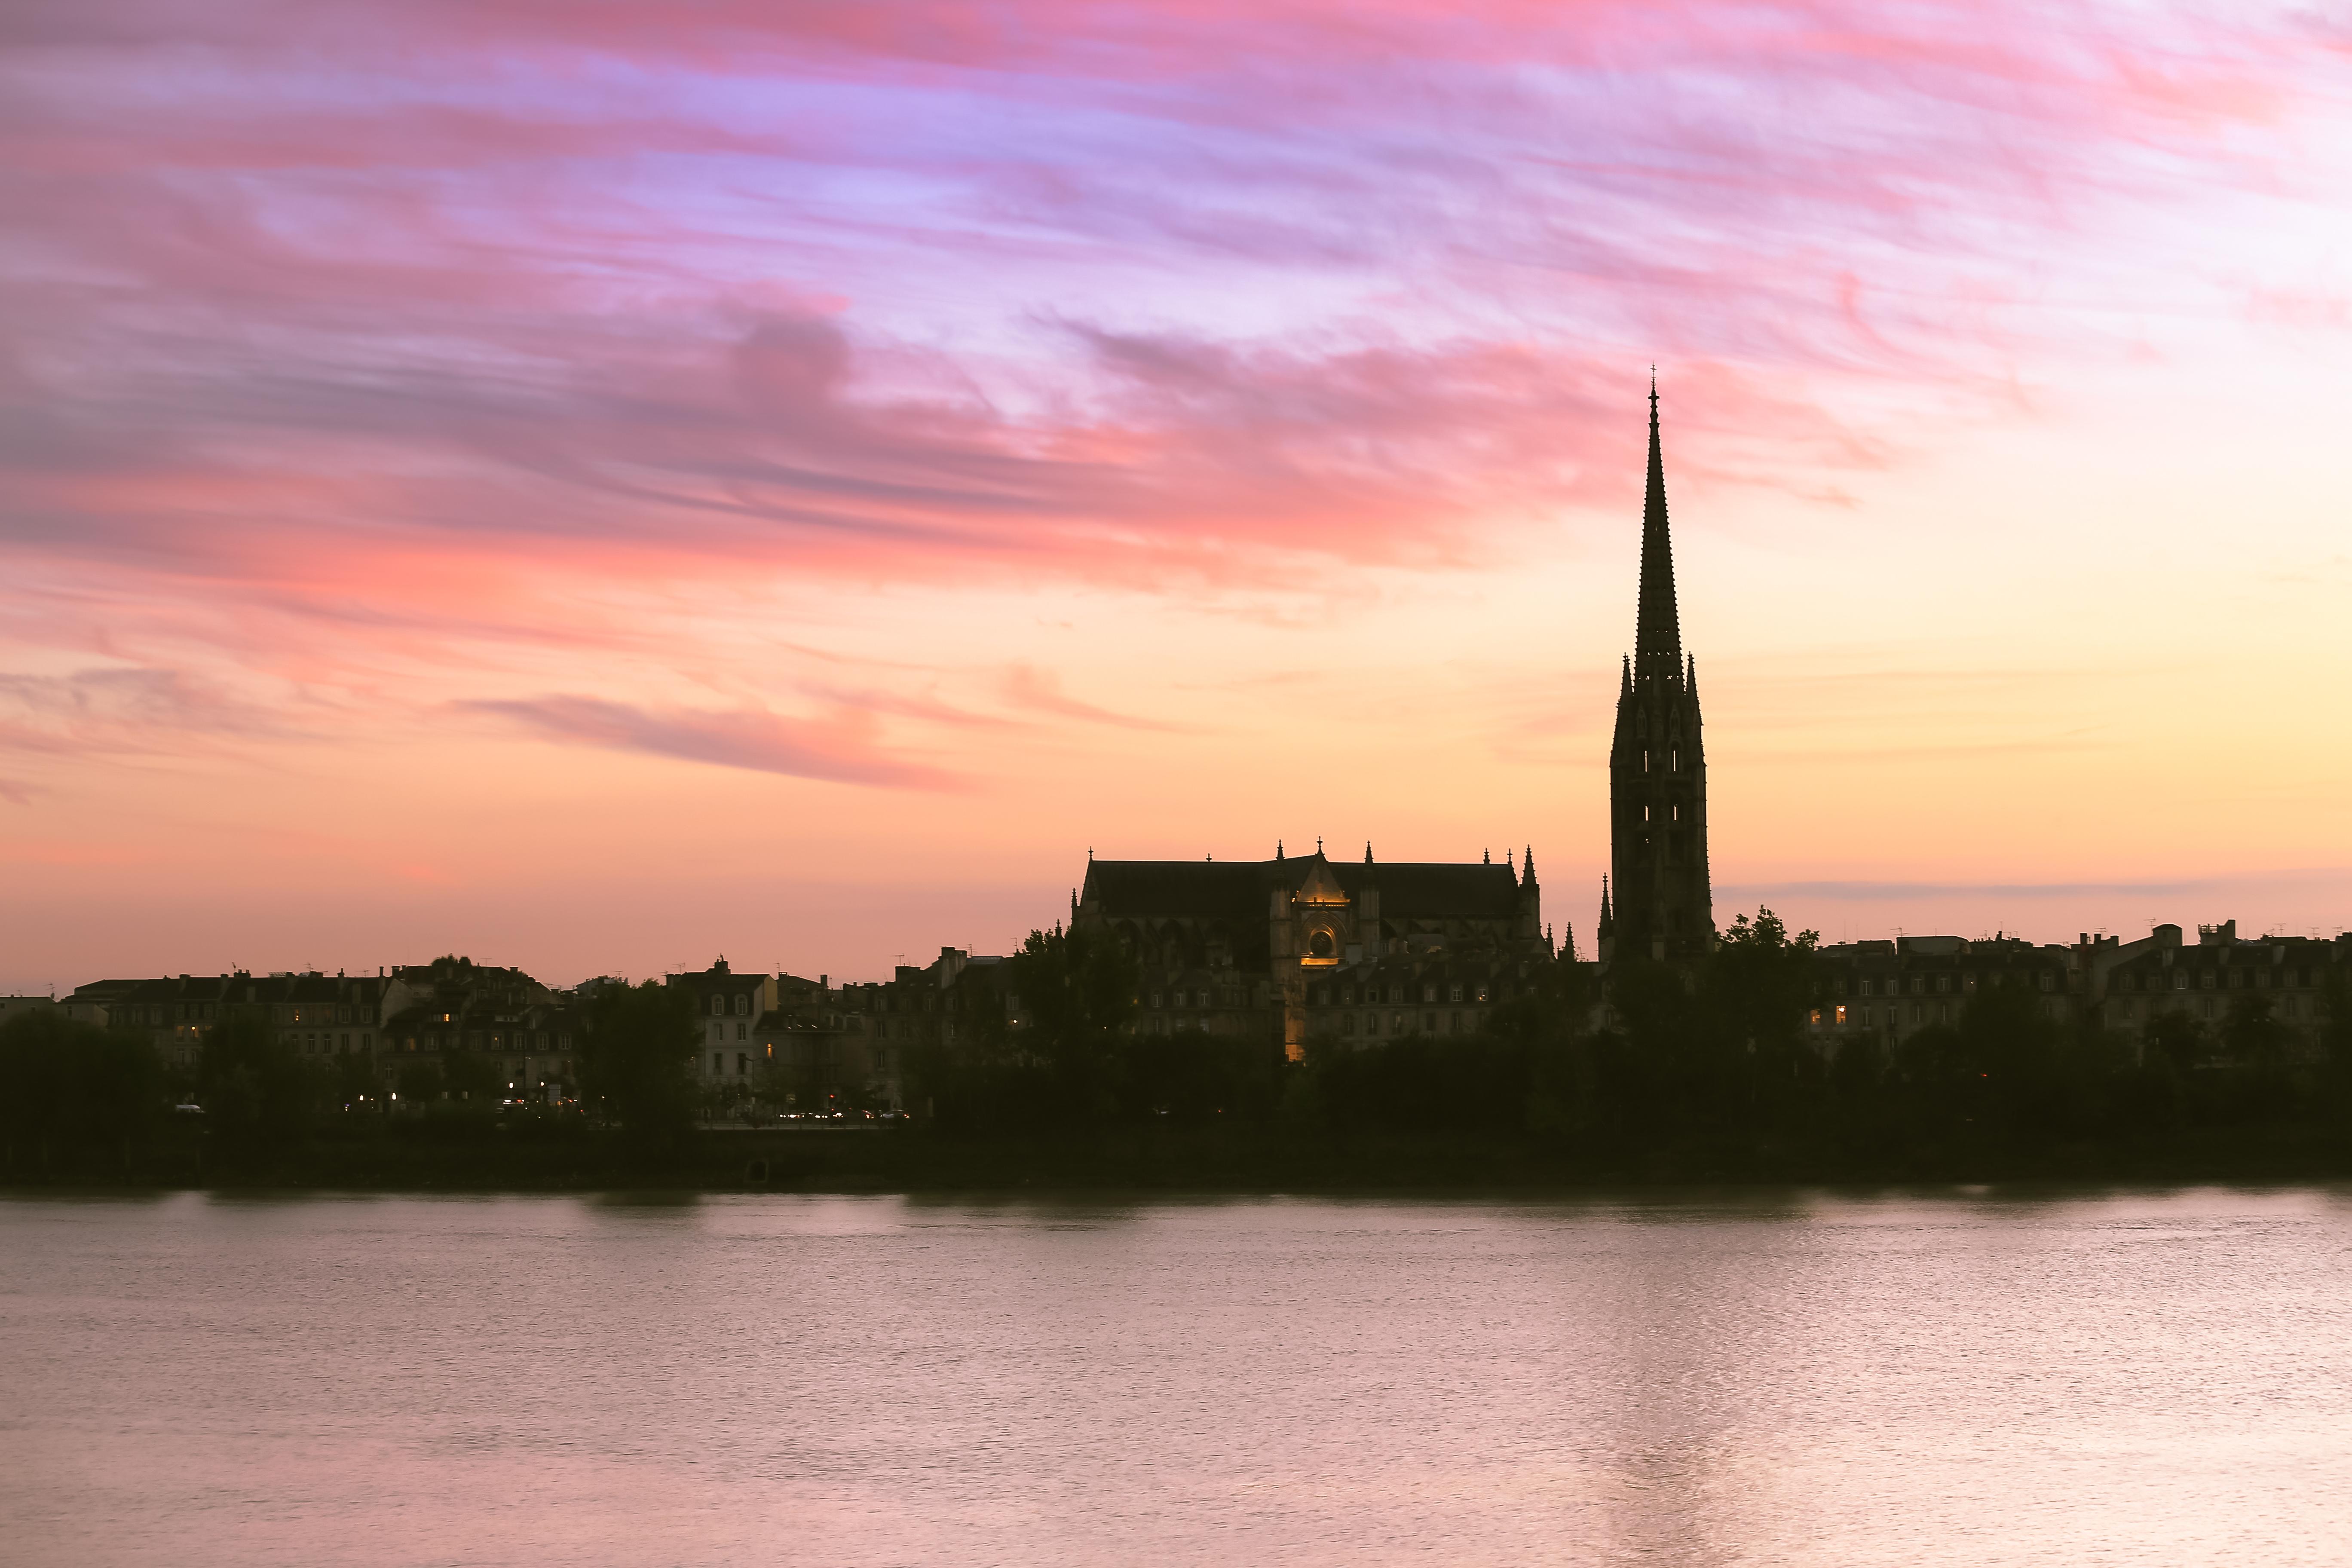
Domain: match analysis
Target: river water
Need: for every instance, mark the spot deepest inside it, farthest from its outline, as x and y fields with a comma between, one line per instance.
x=1963, y=1380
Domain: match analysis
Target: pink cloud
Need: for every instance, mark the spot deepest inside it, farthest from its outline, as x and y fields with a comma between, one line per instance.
x=840, y=751
x=334, y=337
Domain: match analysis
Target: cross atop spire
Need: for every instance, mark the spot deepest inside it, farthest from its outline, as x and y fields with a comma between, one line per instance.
x=1657, y=627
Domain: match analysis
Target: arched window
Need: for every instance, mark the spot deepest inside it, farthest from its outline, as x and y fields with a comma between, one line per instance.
x=718, y=1006
x=742, y=1006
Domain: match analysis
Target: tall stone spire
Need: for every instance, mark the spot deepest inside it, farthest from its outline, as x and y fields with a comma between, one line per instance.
x=1657, y=625
x=1664, y=905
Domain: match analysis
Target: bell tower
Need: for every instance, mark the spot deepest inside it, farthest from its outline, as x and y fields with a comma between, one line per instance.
x=1665, y=908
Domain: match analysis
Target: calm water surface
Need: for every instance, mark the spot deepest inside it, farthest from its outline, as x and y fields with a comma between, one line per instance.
x=1966, y=1380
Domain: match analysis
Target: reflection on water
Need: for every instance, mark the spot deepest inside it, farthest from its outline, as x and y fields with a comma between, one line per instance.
x=1792, y=1379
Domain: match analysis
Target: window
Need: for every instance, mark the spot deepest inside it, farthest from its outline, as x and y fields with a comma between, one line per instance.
x=743, y=1064
x=1455, y=994
x=1372, y=1023
x=1455, y=1023
x=1429, y=1023
x=718, y=1062
x=742, y=1005
x=718, y=1006
x=1428, y=993
x=2049, y=981
x=741, y=1030
x=1841, y=1016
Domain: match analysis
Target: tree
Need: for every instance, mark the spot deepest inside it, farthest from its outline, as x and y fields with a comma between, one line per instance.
x=255, y=1095
x=75, y=1090
x=636, y=1056
x=1074, y=993
x=1762, y=979
x=1759, y=984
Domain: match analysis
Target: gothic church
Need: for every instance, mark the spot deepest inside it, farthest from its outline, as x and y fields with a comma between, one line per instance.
x=1305, y=947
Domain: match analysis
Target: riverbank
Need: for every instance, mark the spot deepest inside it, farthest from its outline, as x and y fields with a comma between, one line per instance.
x=1209, y=1158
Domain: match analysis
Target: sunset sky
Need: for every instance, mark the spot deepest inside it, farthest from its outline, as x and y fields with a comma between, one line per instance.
x=596, y=486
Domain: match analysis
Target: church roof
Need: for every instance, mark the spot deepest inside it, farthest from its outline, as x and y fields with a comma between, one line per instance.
x=1238, y=890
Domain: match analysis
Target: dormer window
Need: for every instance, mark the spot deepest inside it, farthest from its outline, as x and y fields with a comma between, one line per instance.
x=742, y=1006
x=717, y=1006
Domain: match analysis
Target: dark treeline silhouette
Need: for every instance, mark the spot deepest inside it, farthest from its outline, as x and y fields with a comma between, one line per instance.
x=83, y=1102
x=1698, y=1070
x=1694, y=1069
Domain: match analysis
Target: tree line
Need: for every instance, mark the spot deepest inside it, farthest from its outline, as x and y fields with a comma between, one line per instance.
x=1693, y=1067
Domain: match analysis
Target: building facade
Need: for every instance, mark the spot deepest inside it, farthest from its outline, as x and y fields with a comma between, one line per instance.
x=2224, y=988
x=1298, y=949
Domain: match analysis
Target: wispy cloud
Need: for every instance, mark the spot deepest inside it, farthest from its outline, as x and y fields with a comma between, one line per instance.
x=840, y=751
x=1040, y=690
x=124, y=709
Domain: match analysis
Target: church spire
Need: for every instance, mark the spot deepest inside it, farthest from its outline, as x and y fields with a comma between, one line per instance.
x=1657, y=627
